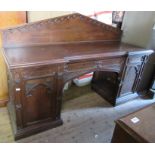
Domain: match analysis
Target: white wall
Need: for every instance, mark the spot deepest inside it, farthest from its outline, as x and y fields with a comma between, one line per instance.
x=138, y=30
x=40, y=15
x=137, y=27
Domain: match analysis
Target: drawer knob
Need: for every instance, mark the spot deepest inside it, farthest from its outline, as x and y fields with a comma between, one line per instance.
x=17, y=89
x=18, y=106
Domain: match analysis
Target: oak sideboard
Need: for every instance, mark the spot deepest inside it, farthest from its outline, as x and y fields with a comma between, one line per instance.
x=42, y=56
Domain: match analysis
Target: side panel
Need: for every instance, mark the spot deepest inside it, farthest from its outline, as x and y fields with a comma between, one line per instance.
x=33, y=100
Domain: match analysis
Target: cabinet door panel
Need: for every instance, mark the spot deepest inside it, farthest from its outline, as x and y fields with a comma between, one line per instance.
x=40, y=100
x=130, y=78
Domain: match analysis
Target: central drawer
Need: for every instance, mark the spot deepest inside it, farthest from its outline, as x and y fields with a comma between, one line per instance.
x=98, y=64
x=80, y=65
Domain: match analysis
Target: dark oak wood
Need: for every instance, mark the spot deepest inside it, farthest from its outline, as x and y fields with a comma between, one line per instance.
x=141, y=132
x=74, y=27
x=41, y=57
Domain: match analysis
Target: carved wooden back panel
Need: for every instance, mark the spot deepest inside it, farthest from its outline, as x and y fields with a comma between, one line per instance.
x=69, y=28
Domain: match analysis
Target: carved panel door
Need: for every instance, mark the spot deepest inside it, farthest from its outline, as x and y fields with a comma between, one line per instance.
x=132, y=74
x=40, y=100
x=129, y=83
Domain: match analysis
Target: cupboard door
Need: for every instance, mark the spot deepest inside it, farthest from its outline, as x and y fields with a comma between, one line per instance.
x=129, y=83
x=40, y=100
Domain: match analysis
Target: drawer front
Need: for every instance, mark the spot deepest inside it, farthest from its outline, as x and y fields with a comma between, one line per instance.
x=108, y=64
x=40, y=71
x=111, y=64
x=80, y=65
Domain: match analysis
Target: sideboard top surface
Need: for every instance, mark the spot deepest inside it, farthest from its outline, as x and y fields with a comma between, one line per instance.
x=49, y=54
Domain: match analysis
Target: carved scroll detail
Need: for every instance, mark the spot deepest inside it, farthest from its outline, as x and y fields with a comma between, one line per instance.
x=32, y=87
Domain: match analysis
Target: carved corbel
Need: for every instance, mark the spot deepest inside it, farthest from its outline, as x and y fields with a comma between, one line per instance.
x=65, y=68
x=17, y=77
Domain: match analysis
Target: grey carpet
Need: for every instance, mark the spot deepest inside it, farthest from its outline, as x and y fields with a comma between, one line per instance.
x=87, y=119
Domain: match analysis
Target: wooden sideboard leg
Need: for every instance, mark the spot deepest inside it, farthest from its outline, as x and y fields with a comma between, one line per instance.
x=60, y=84
x=36, y=129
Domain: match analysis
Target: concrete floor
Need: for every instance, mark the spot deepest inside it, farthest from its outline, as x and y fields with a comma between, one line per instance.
x=87, y=119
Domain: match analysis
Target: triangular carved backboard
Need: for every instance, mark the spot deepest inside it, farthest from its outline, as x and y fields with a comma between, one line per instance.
x=69, y=28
